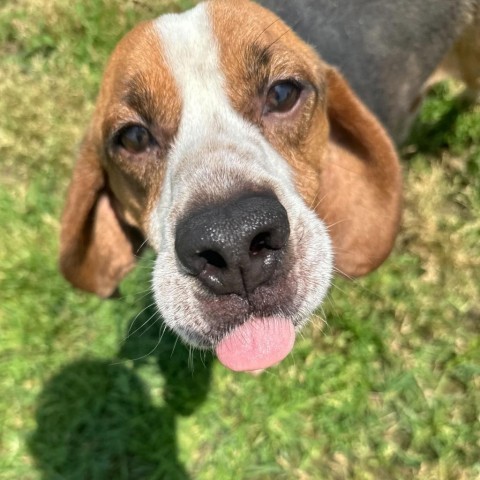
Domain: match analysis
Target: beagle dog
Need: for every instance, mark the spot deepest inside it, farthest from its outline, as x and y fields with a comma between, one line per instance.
x=246, y=162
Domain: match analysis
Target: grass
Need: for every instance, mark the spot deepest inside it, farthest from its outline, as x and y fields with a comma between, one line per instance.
x=389, y=389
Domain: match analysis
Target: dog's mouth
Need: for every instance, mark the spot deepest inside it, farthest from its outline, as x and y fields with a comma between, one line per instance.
x=240, y=277
x=247, y=332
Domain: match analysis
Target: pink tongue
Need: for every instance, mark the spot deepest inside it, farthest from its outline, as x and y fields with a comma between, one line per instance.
x=258, y=343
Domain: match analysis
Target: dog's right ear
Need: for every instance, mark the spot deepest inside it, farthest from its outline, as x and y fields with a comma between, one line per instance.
x=97, y=248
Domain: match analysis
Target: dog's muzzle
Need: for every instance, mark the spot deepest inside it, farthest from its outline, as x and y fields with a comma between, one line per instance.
x=234, y=248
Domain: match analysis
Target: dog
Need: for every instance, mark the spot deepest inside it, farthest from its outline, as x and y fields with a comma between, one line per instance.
x=246, y=162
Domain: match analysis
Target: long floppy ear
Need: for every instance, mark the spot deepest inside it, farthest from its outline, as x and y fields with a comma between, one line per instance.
x=361, y=177
x=97, y=249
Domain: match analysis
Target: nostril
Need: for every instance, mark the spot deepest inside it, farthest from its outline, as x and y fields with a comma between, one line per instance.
x=213, y=258
x=275, y=238
x=260, y=242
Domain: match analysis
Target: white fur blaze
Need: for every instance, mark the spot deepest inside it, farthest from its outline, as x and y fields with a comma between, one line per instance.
x=216, y=151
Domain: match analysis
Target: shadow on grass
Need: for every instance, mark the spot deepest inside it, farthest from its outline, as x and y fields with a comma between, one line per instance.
x=96, y=419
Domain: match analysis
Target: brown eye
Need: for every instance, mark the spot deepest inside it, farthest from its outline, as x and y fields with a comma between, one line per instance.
x=282, y=97
x=134, y=139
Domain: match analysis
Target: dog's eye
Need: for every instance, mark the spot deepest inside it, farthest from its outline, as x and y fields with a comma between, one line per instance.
x=282, y=97
x=134, y=138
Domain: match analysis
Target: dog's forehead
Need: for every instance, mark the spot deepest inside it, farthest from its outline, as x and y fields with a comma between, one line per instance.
x=248, y=32
x=246, y=38
x=226, y=28
x=228, y=46
x=138, y=79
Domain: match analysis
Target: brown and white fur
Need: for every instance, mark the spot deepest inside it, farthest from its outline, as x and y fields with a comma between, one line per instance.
x=198, y=81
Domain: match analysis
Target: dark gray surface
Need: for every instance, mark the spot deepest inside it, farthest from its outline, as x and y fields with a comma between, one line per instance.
x=385, y=48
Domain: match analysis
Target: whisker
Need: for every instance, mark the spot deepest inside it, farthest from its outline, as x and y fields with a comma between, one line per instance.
x=319, y=202
x=322, y=320
x=356, y=283
x=314, y=199
x=141, y=246
x=147, y=354
x=190, y=359
x=341, y=272
x=142, y=325
x=135, y=319
x=174, y=345
x=325, y=321
x=151, y=325
x=142, y=267
x=333, y=307
x=140, y=295
x=330, y=225
x=338, y=288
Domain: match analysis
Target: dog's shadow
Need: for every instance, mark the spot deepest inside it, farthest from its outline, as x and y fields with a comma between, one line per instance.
x=96, y=419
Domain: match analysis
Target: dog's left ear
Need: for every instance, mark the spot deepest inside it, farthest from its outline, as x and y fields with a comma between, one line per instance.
x=361, y=178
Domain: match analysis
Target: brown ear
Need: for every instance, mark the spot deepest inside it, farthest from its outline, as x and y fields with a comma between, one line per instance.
x=97, y=249
x=362, y=176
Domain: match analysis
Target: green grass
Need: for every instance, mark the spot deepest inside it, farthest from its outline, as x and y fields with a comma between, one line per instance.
x=388, y=390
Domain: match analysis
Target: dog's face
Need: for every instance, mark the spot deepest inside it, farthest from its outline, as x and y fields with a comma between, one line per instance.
x=248, y=165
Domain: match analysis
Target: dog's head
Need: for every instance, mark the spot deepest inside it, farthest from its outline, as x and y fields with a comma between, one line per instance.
x=249, y=166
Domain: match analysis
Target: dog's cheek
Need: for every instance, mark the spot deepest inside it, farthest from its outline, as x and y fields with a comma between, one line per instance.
x=305, y=153
x=130, y=195
x=174, y=295
x=314, y=266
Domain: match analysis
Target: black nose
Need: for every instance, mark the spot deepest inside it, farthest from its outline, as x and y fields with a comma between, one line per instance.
x=236, y=246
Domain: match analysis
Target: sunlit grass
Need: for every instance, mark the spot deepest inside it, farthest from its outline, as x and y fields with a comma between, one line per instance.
x=389, y=389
